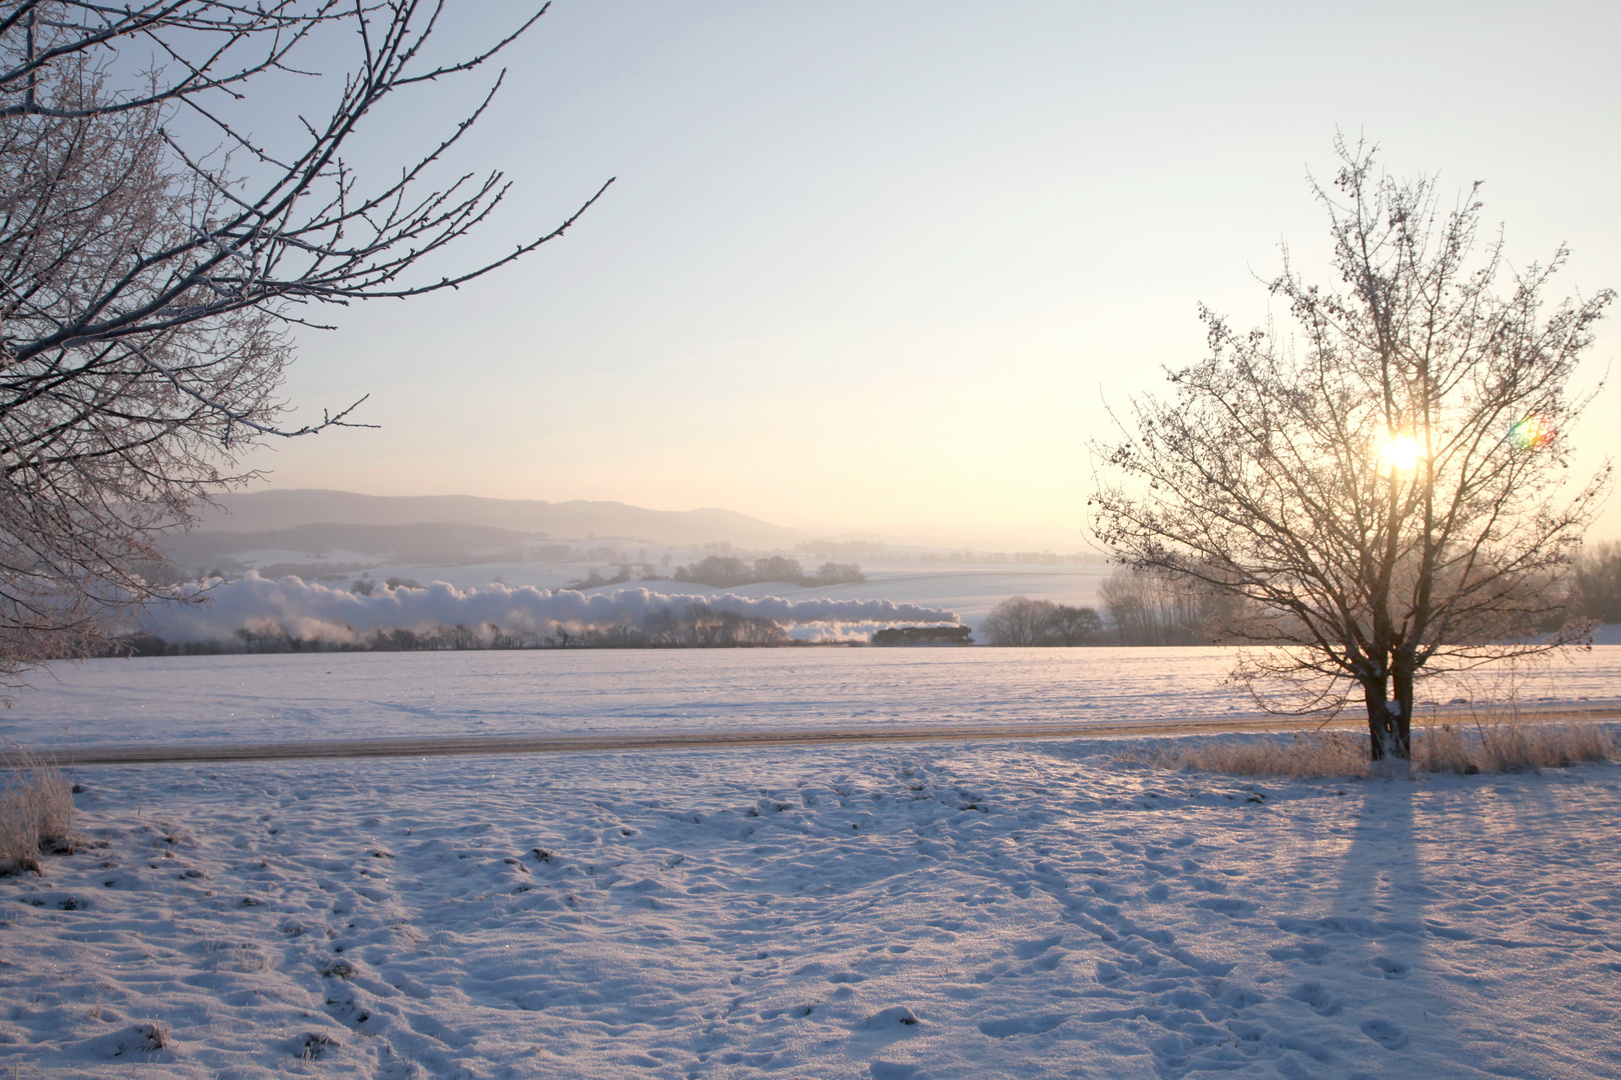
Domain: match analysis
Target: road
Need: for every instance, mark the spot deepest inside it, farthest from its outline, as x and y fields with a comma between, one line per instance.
x=446, y=746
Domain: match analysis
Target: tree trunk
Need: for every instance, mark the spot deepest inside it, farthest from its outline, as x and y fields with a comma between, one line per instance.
x=1382, y=736
x=1402, y=704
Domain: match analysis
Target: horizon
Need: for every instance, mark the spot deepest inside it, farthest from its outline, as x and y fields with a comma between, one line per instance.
x=213, y=520
x=832, y=533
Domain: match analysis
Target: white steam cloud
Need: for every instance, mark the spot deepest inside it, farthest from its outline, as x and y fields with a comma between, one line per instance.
x=308, y=610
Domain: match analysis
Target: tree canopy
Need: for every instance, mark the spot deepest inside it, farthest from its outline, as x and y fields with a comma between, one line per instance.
x=1385, y=484
x=149, y=276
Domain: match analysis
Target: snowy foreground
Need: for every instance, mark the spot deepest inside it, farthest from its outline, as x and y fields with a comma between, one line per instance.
x=1016, y=909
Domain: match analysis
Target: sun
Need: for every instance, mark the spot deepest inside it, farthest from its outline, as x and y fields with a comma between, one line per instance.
x=1401, y=452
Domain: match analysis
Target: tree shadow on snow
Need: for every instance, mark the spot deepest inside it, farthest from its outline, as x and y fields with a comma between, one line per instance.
x=1360, y=959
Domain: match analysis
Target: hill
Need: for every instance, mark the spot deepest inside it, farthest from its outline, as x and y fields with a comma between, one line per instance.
x=267, y=511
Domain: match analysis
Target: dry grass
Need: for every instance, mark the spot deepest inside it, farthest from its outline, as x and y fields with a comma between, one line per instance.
x=1505, y=743
x=36, y=812
x=1320, y=753
x=1509, y=745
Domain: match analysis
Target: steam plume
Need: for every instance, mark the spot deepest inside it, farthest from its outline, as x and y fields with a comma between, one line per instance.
x=303, y=609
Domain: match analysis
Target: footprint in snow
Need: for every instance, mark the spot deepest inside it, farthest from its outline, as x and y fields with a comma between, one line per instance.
x=1317, y=998
x=1226, y=905
x=1385, y=1033
x=1029, y=950
x=1311, y=952
x=1020, y=1025
x=895, y=1070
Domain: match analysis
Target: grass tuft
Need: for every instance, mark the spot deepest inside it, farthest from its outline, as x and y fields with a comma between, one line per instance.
x=152, y=1036
x=1503, y=744
x=36, y=812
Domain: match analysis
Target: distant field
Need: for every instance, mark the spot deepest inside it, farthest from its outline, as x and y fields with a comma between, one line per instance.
x=536, y=692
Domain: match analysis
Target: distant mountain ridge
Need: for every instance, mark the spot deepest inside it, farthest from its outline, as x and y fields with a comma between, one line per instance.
x=275, y=511
x=421, y=544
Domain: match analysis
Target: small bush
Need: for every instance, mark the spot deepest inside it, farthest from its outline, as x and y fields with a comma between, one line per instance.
x=36, y=812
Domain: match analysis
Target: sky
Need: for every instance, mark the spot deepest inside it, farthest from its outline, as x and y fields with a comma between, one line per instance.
x=887, y=266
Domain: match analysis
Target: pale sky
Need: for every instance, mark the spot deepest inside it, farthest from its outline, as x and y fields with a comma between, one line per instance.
x=880, y=265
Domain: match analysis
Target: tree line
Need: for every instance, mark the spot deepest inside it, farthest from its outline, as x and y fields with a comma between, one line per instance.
x=691, y=625
x=728, y=571
x=1157, y=607
x=1598, y=581
x=1139, y=608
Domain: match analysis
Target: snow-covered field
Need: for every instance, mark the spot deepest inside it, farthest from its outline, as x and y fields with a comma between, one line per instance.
x=1023, y=910
x=900, y=911
x=377, y=695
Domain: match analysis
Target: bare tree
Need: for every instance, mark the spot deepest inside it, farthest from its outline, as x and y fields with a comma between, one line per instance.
x=147, y=285
x=832, y=573
x=1598, y=579
x=1155, y=608
x=1074, y=626
x=1384, y=488
x=778, y=568
x=721, y=571
x=1019, y=621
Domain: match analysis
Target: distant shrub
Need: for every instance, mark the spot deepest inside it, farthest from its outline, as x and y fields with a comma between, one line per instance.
x=367, y=587
x=833, y=573
x=1019, y=620
x=720, y=571
x=697, y=624
x=596, y=578
x=923, y=635
x=728, y=571
x=777, y=568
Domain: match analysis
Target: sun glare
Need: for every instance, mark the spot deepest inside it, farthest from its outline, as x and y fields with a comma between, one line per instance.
x=1530, y=433
x=1401, y=452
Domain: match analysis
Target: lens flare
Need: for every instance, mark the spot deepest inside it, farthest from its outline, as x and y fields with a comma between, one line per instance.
x=1401, y=452
x=1530, y=433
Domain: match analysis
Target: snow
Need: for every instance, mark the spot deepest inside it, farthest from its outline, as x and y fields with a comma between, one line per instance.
x=1015, y=909
x=262, y=698
x=901, y=911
